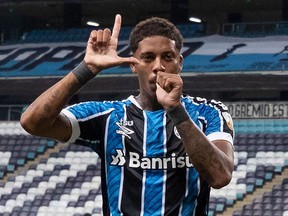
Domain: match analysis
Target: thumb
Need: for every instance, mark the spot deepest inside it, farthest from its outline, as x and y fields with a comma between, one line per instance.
x=130, y=60
x=161, y=95
x=160, y=92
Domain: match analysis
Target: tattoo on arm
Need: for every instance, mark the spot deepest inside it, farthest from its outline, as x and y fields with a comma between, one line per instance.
x=203, y=155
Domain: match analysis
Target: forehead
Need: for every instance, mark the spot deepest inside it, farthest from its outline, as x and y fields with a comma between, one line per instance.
x=156, y=44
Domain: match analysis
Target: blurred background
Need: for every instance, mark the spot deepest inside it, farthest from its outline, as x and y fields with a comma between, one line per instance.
x=235, y=51
x=20, y=16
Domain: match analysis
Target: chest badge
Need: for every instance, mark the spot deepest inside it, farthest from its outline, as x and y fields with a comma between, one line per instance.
x=123, y=130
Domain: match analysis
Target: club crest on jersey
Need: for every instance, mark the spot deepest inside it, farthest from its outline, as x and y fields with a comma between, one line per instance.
x=123, y=130
x=228, y=120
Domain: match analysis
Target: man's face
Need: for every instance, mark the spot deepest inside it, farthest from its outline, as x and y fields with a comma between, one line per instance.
x=156, y=53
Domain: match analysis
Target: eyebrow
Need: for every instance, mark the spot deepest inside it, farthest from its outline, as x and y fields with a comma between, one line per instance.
x=146, y=53
x=152, y=53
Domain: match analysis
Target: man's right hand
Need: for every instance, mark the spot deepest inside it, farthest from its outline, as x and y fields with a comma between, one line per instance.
x=42, y=117
x=101, y=50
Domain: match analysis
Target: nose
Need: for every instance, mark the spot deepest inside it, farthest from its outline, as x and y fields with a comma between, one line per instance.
x=158, y=66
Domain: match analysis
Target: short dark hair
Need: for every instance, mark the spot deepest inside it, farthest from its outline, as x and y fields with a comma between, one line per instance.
x=155, y=26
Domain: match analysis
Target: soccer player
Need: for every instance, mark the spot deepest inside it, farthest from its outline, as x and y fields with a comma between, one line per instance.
x=161, y=150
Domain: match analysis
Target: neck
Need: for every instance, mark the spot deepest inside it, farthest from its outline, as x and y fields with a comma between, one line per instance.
x=148, y=103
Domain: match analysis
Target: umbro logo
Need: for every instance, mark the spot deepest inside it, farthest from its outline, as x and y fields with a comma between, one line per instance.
x=123, y=130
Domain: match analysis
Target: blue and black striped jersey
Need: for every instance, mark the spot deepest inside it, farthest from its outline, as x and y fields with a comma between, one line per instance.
x=145, y=169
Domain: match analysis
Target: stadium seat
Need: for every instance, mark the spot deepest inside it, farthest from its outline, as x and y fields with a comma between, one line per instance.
x=70, y=176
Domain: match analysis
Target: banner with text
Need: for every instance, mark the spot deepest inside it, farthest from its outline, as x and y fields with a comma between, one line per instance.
x=251, y=110
x=201, y=55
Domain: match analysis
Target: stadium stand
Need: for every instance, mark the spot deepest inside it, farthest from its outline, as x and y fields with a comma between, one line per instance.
x=81, y=34
x=259, y=29
x=248, y=30
x=42, y=177
x=261, y=161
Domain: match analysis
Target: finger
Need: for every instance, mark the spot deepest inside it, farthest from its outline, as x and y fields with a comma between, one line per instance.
x=106, y=35
x=167, y=84
x=129, y=60
x=160, y=79
x=100, y=37
x=116, y=27
x=92, y=37
x=166, y=81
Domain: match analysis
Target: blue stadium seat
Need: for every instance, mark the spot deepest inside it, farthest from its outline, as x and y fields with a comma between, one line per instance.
x=67, y=178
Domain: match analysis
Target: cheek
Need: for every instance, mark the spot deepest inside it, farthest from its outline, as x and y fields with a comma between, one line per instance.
x=174, y=69
x=142, y=68
x=146, y=75
x=136, y=68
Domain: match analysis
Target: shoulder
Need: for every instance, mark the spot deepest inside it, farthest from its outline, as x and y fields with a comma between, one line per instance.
x=94, y=107
x=212, y=113
x=204, y=103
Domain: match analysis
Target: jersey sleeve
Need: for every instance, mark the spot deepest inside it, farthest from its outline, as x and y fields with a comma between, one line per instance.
x=87, y=120
x=219, y=123
x=75, y=125
x=212, y=117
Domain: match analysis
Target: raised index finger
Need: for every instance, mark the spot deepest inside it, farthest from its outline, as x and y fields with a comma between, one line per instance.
x=116, y=27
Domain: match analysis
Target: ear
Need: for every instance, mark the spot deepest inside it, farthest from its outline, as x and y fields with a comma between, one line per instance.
x=181, y=61
x=133, y=69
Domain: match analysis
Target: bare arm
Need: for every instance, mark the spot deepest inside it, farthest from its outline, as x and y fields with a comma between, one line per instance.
x=213, y=160
x=43, y=117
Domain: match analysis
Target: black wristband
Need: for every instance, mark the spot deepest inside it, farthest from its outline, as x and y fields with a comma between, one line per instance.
x=82, y=73
x=178, y=114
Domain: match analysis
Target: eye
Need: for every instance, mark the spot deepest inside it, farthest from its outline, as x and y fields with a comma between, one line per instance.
x=147, y=58
x=168, y=56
